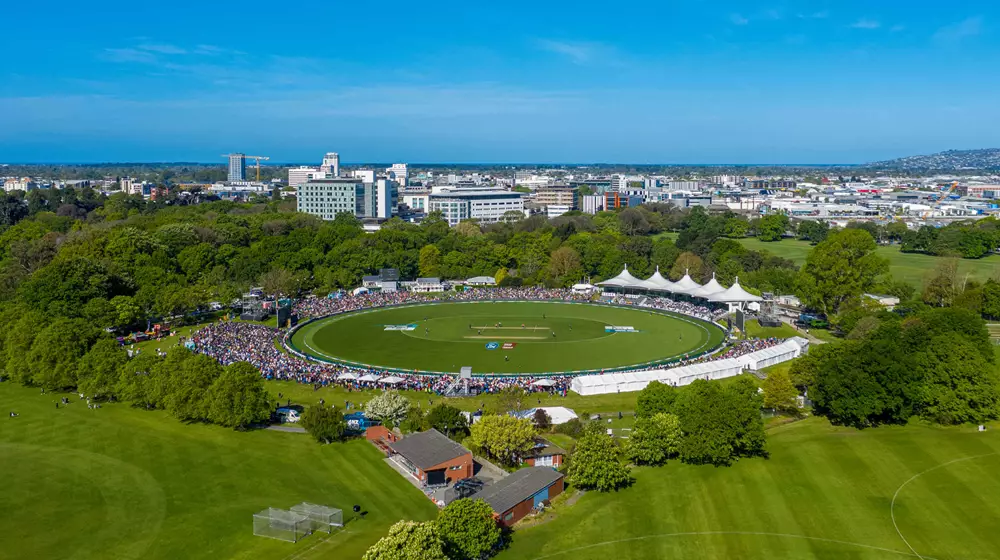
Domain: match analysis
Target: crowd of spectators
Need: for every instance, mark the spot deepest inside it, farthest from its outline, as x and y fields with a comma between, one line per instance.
x=230, y=342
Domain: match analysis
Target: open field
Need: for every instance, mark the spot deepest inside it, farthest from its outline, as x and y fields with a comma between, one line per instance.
x=825, y=492
x=912, y=268
x=505, y=337
x=125, y=483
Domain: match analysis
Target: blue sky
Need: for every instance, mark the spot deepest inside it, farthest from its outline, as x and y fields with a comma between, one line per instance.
x=686, y=81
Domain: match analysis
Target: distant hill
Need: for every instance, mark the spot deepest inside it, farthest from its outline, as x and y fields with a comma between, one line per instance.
x=952, y=160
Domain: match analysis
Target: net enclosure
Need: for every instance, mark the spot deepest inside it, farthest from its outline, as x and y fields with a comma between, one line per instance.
x=281, y=524
x=322, y=518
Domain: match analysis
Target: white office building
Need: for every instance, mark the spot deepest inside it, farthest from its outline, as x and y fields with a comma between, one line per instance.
x=416, y=201
x=19, y=184
x=331, y=164
x=364, y=175
x=299, y=175
x=326, y=198
x=399, y=173
x=488, y=206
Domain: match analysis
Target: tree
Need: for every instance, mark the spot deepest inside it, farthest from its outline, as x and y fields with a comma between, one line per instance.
x=839, y=269
x=510, y=399
x=468, y=228
x=687, y=263
x=942, y=288
x=542, y=420
x=772, y=227
x=564, y=266
x=961, y=386
x=55, y=353
x=597, y=464
x=779, y=393
x=632, y=221
x=813, y=231
x=135, y=384
x=449, y=421
x=189, y=382
x=655, y=398
x=430, y=261
x=468, y=529
x=409, y=540
x=238, y=399
x=654, y=440
x=100, y=368
x=278, y=282
x=324, y=423
x=503, y=438
x=389, y=408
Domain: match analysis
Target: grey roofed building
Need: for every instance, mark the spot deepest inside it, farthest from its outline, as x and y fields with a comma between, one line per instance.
x=428, y=449
x=518, y=487
x=431, y=280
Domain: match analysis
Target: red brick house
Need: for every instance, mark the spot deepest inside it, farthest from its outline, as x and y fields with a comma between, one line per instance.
x=432, y=458
x=545, y=454
x=518, y=494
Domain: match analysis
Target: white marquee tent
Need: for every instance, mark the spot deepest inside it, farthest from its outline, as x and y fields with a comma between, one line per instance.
x=623, y=280
x=368, y=377
x=347, y=375
x=788, y=350
x=637, y=381
x=685, y=285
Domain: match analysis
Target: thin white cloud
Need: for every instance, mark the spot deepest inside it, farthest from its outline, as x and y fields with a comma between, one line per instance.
x=897, y=28
x=129, y=55
x=737, y=19
x=956, y=32
x=865, y=23
x=823, y=14
x=578, y=52
x=162, y=48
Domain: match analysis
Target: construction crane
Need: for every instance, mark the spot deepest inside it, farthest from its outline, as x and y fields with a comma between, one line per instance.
x=256, y=161
x=937, y=203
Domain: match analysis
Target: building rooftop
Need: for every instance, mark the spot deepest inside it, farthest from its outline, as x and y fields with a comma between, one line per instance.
x=428, y=449
x=523, y=484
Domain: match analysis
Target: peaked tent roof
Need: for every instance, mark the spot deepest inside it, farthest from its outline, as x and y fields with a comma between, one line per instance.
x=734, y=293
x=623, y=280
x=686, y=285
x=712, y=287
x=658, y=282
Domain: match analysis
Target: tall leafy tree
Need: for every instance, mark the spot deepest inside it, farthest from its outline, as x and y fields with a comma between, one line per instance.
x=99, y=370
x=56, y=352
x=237, y=399
x=389, y=408
x=503, y=438
x=324, y=423
x=655, y=398
x=842, y=268
x=449, y=421
x=597, y=463
x=409, y=540
x=654, y=440
x=468, y=529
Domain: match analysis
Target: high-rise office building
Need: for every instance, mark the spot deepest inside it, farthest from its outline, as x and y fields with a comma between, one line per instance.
x=299, y=175
x=331, y=164
x=237, y=168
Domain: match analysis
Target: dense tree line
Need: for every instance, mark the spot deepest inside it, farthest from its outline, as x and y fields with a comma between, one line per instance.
x=464, y=530
x=971, y=239
x=937, y=364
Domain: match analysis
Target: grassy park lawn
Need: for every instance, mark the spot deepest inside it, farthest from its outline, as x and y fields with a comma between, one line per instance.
x=912, y=268
x=825, y=492
x=754, y=330
x=505, y=337
x=125, y=483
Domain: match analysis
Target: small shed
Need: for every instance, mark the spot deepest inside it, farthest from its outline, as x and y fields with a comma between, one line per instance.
x=522, y=492
x=432, y=458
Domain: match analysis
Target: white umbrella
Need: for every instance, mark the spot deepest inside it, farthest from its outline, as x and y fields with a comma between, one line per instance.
x=347, y=375
x=392, y=380
x=368, y=377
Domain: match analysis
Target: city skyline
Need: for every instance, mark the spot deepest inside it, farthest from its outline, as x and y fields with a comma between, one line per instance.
x=729, y=83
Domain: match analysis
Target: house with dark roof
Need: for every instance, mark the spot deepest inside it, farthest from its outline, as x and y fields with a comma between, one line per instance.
x=544, y=454
x=522, y=492
x=432, y=458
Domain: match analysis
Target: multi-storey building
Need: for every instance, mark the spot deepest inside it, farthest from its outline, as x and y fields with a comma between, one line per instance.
x=237, y=168
x=299, y=175
x=331, y=164
x=487, y=206
x=328, y=197
x=558, y=196
x=399, y=173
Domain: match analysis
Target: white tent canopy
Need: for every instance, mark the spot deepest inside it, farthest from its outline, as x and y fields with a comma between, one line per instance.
x=347, y=375
x=658, y=282
x=368, y=377
x=637, y=381
x=583, y=288
x=623, y=280
x=685, y=285
x=557, y=414
x=734, y=294
x=712, y=287
x=544, y=383
x=392, y=380
x=788, y=350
